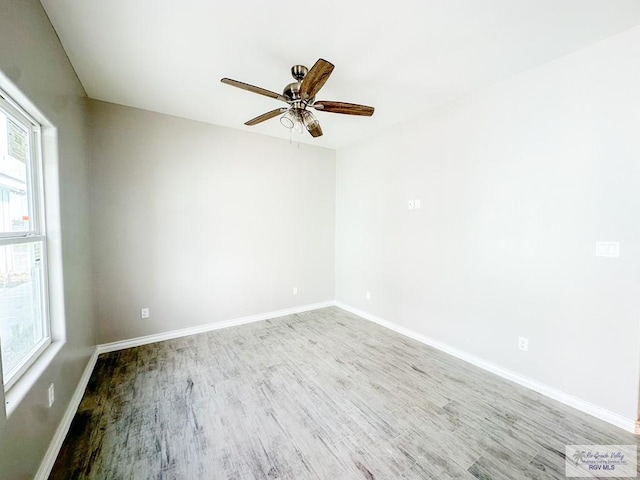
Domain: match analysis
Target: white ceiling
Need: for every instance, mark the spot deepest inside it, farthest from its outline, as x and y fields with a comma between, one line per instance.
x=403, y=57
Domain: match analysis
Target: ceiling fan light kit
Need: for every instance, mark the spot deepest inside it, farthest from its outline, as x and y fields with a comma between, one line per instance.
x=301, y=95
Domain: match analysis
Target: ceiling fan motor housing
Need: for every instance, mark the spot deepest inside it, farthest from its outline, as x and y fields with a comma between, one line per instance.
x=292, y=93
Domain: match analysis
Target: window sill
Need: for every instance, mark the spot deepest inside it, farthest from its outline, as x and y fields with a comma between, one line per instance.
x=20, y=389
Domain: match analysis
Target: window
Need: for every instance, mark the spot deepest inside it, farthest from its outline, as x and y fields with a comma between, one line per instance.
x=24, y=320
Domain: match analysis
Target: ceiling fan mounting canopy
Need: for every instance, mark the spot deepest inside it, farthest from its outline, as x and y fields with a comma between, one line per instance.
x=299, y=72
x=301, y=95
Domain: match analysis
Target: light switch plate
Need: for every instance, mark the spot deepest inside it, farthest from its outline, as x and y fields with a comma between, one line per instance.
x=608, y=249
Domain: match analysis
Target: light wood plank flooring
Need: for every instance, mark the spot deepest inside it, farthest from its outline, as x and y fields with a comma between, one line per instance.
x=319, y=395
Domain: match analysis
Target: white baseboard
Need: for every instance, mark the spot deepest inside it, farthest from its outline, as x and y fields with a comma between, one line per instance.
x=184, y=332
x=63, y=428
x=577, y=403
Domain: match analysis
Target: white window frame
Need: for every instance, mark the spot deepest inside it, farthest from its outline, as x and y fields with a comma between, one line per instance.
x=37, y=232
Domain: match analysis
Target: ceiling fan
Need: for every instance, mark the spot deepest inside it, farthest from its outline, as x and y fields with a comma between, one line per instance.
x=301, y=96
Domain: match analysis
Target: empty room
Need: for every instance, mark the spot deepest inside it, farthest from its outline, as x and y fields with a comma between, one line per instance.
x=339, y=241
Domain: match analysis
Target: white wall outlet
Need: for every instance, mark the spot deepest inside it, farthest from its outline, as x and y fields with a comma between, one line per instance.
x=608, y=249
x=368, y=295
x=410, y=204
x=295, y=290
x=144, y=312
x=418, y=204
x=523, y=344
x=51, y=394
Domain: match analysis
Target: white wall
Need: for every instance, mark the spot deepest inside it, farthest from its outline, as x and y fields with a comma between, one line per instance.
x=203, y=223
x=517, y=184
x=34, y=61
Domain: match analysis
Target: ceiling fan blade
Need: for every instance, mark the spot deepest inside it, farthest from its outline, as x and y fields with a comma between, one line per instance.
x=254, y=89
x=343, y=107
x=266, y=116
x=315, y=78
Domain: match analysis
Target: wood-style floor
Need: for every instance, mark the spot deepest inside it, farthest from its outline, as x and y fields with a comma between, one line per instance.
x=319, y=395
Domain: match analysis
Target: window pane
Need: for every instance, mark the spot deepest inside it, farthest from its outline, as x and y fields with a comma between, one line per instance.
x=22, y=327
x=14, y=165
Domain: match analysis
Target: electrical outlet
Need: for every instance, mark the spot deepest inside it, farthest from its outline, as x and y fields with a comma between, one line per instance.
x=52, y=395
x=295, y=290
x=368, y=295
x=144, y=313
x=410, y=204
x=523, y=344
